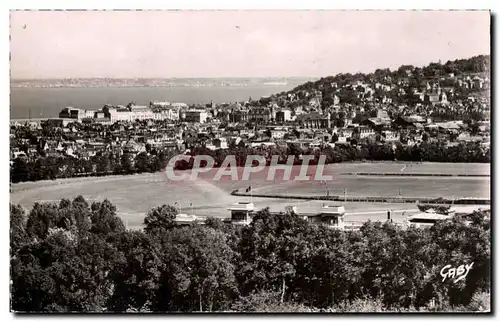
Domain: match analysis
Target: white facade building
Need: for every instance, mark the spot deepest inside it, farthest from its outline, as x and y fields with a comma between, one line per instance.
x=196, y=116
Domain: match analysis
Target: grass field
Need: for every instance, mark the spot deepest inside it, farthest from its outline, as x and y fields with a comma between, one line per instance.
x=134, y=195
x=387, y=187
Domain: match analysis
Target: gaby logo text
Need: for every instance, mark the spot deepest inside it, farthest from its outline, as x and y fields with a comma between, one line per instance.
x=459, y=273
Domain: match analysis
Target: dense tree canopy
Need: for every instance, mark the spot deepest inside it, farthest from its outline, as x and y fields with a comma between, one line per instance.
x=73, y=256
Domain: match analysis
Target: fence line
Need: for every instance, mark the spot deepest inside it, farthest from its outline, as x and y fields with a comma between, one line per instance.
x=412, y=174
x=394, y=199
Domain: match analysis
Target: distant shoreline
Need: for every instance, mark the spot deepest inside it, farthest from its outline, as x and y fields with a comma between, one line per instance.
x=158, y=82
x=140, y=86
x=48, y=101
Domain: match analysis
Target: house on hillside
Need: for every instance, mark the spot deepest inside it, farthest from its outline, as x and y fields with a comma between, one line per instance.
x=435, y=98
x=405, y=122
x=447, y=127
x=363, y=132
x=315, y=120
x=260, y=114
x=284, y=115
x=278, y=133
x=344, y=135
x=390, y=135
x=375, y=123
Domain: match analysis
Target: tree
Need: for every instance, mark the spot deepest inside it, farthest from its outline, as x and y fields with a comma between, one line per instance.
x=126, y=164
x=160, y=219
x=80, y=201
x=19, y=171
x=136, y=275
x=269, y=248
x=67, y=257
x=105, y=220
x=62, y=274
x=103, y=163
x=199, y=273
x=18, y=233
x=41, y=218
x=215, y=223
x=74, y=216
x=141, y=162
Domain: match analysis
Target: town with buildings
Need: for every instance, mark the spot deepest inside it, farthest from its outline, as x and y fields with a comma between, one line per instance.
x=381, y=116
x=174, y=164
x=402, y=115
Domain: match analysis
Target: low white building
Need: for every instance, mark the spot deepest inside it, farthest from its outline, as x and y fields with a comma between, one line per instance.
x=241, y=213
x=284, y=115
x=331, y=215
x=425, y=219
x=184, y=219
x=129, y=114
x=166, y=110
x=141, y=112
x=364, y=132
x=179, y=105
x=278, y=133
x=391, y=135
x=89, y=114
x=157, y=104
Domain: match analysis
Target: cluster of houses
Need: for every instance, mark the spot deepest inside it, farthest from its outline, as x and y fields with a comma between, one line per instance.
x=297, y=117
x=85, y=141
x=77, y=137
x=110, y=113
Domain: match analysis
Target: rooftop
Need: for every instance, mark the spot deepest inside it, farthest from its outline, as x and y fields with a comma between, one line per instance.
x=184, y=218
x=428, y=216
x=245, y=206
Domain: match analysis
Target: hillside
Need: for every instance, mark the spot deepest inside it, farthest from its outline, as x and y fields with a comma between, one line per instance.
x=400, y=86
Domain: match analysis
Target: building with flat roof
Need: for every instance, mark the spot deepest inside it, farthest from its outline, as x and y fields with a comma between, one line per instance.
x=260, y=114
x=241, y=213
x=128, y=114
x=196, y=116
x=425, y=219
x=186, y=220
x=160, y=104
x=72, y=113
x=284, y=115
x=315, y=120
x=330, y=215
x=89, y=114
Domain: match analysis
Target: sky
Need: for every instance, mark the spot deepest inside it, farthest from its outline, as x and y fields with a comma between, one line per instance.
x=165, y=44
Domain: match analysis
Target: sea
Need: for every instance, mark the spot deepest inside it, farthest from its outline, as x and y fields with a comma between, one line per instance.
x=47, y=102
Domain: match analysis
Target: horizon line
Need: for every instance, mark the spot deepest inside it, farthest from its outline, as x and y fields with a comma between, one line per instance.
x=239, y=77
x=158, y=77
x=181, y=78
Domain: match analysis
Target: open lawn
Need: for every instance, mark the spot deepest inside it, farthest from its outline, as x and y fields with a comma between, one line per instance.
x=386, y=187
x=134, y=195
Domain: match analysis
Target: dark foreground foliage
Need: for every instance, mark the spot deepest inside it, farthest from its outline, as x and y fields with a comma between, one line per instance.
x=73, y=257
